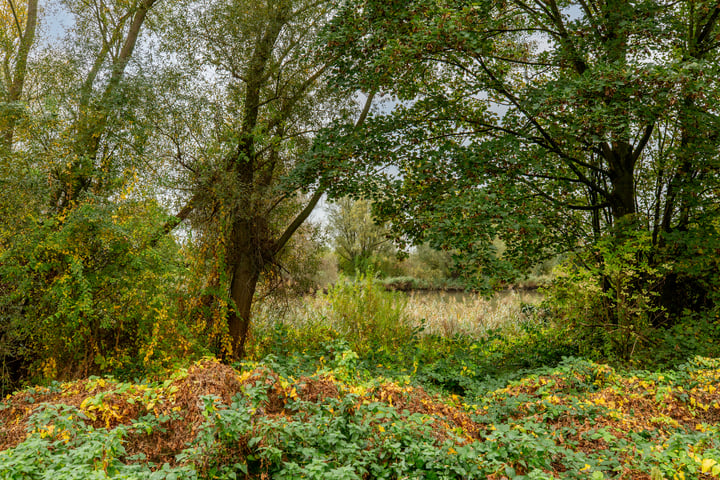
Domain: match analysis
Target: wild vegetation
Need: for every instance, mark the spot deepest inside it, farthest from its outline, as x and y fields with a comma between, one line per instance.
x=518, y=277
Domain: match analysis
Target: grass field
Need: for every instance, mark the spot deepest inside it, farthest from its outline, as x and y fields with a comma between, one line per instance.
x=439, y=313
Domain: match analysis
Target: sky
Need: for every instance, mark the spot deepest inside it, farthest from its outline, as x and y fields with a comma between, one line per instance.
x=55, y=20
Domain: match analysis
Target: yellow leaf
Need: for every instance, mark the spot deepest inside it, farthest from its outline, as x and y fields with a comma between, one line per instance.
x=707, y=464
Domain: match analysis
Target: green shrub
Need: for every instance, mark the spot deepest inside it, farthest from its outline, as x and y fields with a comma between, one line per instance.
x=405, y=283
x=606, y=297
x=695, y=334
x=330, y=438
x=368, y=316
x=627, y=300
x=91, y=293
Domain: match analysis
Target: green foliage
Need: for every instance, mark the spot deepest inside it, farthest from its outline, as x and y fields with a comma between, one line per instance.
x=91, y=292
x=405, y=283
x=577, y=420
x=607, y=296
x=591, y=118
x=367, y=315
x=335, y=438
x=294, y=342
x=360, y=243
x=60, y=444
x=618, y=301
x=431, y=265
x=301, y=341
x=426, y=268
x=695, y=334
x=360, y=313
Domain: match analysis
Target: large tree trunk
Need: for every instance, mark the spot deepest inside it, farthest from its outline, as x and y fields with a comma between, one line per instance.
x=245, y=264
x=621, y=162
x=245, y=276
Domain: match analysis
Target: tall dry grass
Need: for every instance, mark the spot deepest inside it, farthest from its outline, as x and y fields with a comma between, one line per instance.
x=467, y=314
x=444, y=314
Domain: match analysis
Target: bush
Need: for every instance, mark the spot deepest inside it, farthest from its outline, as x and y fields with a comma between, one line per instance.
x=605, y=298
x=367, y=315
x=627, y=300
x=89, y=293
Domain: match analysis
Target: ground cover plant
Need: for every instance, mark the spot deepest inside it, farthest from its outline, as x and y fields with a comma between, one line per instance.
x=578, y=420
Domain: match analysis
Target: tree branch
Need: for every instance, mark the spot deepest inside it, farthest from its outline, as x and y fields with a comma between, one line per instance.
x=707, y=28
x=305, y=213
x=299, y=220
x=643, y=142
x=16, y=18
x=178, y=218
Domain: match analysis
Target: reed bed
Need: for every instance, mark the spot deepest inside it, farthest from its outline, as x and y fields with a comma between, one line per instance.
x=449, y=315
x=433, y=313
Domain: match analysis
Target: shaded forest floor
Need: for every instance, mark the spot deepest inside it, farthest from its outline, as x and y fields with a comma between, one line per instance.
x=577, y=420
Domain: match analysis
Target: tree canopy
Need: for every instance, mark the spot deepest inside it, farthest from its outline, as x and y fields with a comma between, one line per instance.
x=550, y=125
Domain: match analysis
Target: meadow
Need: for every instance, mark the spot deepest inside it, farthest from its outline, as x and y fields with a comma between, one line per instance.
x=438, y=312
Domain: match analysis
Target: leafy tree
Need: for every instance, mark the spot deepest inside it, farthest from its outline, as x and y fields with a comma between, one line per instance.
x=432, y=265
x=359, y=242
x=265, y=97
x=83, y=288
x=549, y=125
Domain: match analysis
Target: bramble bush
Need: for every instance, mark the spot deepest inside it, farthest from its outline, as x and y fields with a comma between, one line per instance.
x=577, y=420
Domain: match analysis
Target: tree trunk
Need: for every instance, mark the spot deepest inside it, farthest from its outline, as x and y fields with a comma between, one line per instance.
x=621, y=162
x=245, y=267
x=242, y=289
x=16, y=82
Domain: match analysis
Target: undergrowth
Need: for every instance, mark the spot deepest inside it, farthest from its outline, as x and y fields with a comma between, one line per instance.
x=577, y=420
x=361, y=391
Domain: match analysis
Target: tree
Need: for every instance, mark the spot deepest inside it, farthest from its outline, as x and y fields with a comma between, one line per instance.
x=17, y=36
x=550, y=125
x=267, y=97
x=101, y=114
x=83, y=290
x=358, y=240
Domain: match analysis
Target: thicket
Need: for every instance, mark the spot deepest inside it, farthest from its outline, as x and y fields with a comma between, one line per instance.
x=90, y=293
x=624, y=299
